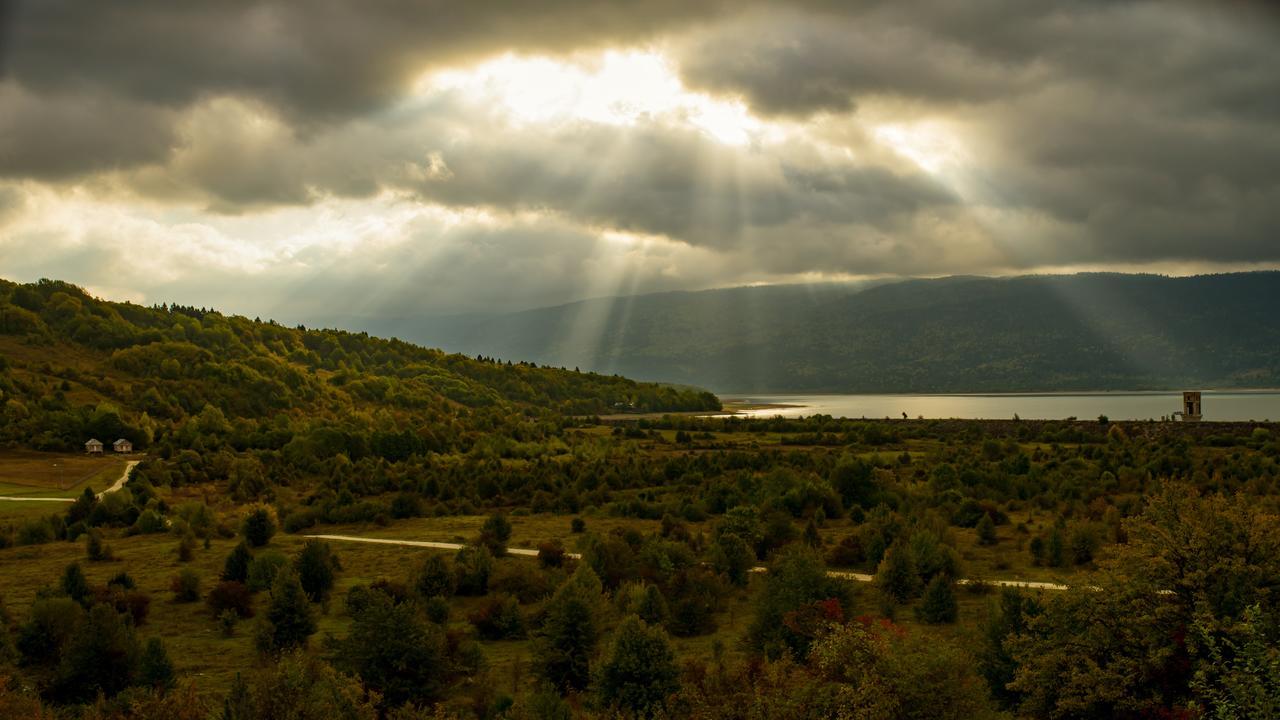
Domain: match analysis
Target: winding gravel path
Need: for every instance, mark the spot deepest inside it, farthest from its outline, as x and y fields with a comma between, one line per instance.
x=857, y=577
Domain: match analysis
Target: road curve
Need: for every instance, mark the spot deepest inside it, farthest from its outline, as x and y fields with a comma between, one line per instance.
x=855, y=576
x=124, y=478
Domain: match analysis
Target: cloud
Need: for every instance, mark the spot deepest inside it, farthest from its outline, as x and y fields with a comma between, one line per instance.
x=312, y=155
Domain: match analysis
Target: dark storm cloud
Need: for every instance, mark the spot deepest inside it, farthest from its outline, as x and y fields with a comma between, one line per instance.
x=315, y=61
x=1093, y=131
x=1152, y=128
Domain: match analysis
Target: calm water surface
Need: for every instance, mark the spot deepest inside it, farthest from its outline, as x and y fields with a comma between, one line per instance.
x=1238, y=405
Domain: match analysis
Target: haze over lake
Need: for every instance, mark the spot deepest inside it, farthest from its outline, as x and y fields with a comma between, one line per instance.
x=1235, y=405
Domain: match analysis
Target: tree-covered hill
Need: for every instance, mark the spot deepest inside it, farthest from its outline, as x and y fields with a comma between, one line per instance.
x=74, y=366
x=961, y=334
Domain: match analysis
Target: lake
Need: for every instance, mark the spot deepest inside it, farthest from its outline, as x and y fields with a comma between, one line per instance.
x=1226, y=405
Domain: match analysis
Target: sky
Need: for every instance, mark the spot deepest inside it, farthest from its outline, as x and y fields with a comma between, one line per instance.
x=323, y=159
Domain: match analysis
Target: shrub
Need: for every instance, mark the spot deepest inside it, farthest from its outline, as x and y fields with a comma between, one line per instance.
x=154, y=668
x=498, y=618
x=185, y=586
x=96, y=549
x=236, y=566
x=435, y=577
x=75, y=585
x=315, y=565
x=263, y=569
x=578, y=525
x=472, y=566
x=639, y=671
x=187, y=547
x=258, y=527
x=300, y=520
x=288, y=621
x=551, y=553
x=227, y=621
x=230, y=595
x=939, y=603
x=495, y=533
x=148, y=522
x=526, y=582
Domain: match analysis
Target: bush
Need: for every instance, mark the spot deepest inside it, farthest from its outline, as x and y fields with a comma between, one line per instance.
x=300, y=520
x=154, y=669
x=578, y=525
x=96, y=549
x=233, y=596
x=236, y=566
x=289, y=621
x=939, y=603
x=315, y=565
x=227, y=621
x=149, y=522
x=75, y=585
x=522, y=579
x=435, y=577
x=185, y=586
x=472, y=566
x=551, y=554
x=495, y=533
x=639, y=671
x=263, y=569
x=187, y=547
x=258, y=527
x=498, y=618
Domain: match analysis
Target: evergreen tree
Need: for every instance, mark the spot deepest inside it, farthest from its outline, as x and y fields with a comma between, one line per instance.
x=394, y=651
x=75, y=585
x=897, y=578
x=639, y=671
x=652, y=607
x=986, y=530
x=236, y=567
x=570, y=631
x=102, y=657
x=238, y=704
x=154, y=668
x=315, y=569
x=796, y=581
x=289, y=621
x=472, y=566
x=258, y=527
x=434, y=578
x=495, y=534
x=733, y=557
x=939, y=603
x=811, y=536
x=1055, y=548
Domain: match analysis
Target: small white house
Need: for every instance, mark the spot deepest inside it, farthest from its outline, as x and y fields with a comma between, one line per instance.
x=93, y=447
x=122, y=446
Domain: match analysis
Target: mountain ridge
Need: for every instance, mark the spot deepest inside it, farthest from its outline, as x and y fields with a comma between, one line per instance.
x=1089, y=331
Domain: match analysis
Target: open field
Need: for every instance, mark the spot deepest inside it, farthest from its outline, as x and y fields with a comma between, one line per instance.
x=55, y=474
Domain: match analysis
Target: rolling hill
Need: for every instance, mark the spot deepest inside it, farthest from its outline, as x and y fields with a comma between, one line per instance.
x=74, y=366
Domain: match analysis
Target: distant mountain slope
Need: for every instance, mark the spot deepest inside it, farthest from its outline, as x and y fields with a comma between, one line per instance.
x=73, y=366
x=1079, y=332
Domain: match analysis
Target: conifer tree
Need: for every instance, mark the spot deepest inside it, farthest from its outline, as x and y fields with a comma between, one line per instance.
x=289, y=618
x=897, y=577
x=236, y=567
x=939, y=603
x=639, y=671
x=570, y=631
x=154, y=668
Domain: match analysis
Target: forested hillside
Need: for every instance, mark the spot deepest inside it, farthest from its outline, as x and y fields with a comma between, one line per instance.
x=1037, y=333
x=75, y=366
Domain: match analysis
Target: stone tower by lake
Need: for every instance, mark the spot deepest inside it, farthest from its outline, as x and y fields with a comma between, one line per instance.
x=1191, y=406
